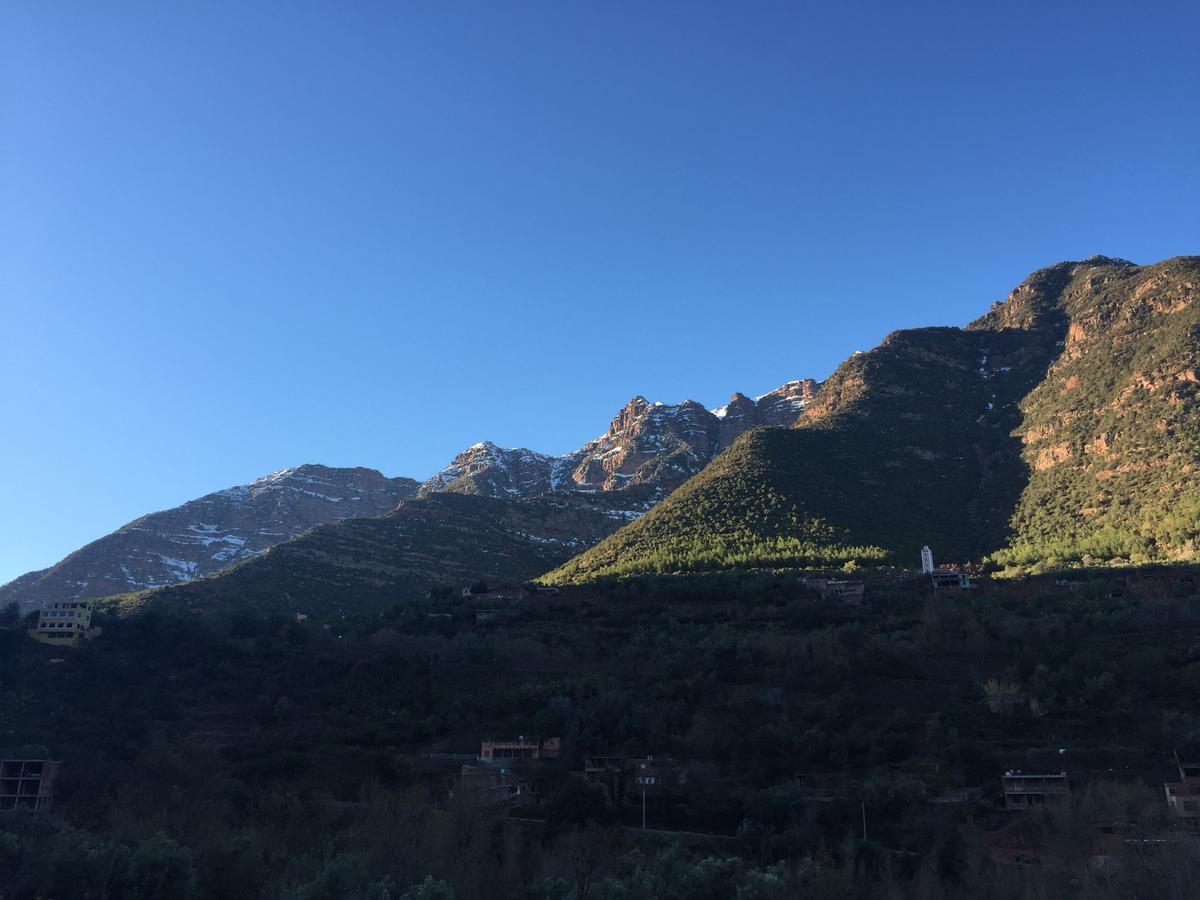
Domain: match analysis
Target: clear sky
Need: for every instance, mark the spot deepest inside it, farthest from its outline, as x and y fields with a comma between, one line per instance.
x=240, y=236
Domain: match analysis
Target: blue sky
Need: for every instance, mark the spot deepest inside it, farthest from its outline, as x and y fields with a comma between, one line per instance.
x=236, y=237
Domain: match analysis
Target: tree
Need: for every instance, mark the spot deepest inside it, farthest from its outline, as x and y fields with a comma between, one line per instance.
x=162, y=870
x=1001, y=696
x=580, y=803
x=11, y=614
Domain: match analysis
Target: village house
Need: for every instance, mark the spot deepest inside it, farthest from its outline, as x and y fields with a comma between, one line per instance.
x=950, y=579
x=500, y=785
x=520, y=748
x=850, y=592
x=63, y=622
x=1025, y=790
x=27, y=783
x=494, y=596
x=626, y=778
x=1183, y=796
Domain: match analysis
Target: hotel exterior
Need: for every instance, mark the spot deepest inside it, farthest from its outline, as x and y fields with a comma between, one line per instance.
x=63, y=622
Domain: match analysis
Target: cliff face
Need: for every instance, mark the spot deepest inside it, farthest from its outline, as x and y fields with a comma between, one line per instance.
x=1062, y=426
x=1110, y=437
x=211, y=533
x=647, y=445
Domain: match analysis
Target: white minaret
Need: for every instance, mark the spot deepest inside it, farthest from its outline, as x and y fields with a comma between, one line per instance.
x=926, y=560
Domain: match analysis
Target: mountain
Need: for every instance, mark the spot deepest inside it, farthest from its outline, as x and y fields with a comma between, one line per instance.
x=653, y=445
x=648, y=450
x=499, y=515
x=211, y=533
x=359, y=565
x=1060, y=427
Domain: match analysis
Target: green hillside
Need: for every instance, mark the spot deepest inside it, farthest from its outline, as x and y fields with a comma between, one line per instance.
x=360, y=565
x=1056, y=426
x=1111, y=435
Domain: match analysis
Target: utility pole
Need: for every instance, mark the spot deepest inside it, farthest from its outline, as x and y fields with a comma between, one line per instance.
x=864, y=814
x=643, y=807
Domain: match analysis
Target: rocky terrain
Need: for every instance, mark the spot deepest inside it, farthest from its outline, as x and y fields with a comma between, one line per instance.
x=211, y=533
x=647, y=445
x=358, y=566
x=647, y=451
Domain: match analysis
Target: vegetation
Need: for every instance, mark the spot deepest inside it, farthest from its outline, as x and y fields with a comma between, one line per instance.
x=1061, y=429
x=249, y=755
x=1113, y=431
x=370, y=564
x=866, y=480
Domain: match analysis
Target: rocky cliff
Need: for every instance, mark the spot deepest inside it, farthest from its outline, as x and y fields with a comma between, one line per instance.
x=647, y=445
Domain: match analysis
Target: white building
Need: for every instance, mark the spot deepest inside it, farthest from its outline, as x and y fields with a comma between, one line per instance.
x=926, y=560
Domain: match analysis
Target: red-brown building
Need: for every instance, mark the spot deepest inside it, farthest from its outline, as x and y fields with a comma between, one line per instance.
x=520, y=748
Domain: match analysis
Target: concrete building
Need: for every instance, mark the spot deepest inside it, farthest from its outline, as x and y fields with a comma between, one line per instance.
x=1026, y=790
x=1183, y=796
x=27, y=783
x=520, y=748
x=848, y=591
x=63, y=622
x=627, y=778
x=926, y=560
x=950, y=580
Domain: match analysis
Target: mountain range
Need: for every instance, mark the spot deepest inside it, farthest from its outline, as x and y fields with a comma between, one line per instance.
x=1060, y=428
x=647, y=451
x=647, y=444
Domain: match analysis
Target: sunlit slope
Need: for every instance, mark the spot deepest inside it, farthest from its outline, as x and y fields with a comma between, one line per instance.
x=1060, y=427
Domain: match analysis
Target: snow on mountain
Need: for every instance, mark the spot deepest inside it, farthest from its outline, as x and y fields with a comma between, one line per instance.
x=654, y=446
x=208, y=534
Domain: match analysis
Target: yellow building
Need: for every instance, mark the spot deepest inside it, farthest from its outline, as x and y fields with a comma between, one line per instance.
x=63, y=622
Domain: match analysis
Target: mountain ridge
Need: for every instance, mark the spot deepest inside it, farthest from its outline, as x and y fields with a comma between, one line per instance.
x=207, y=534
x=648, y=449
x=656, y=444
x=952, y=437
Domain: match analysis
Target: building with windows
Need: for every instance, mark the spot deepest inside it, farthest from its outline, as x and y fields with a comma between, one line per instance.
x=1183, y=796
x=1025, y=790
x=850, y=592
x=926, y=560
x=27, y=783
x=950, y=580
x=520, y=748
x=63, y=622
x=626, y=779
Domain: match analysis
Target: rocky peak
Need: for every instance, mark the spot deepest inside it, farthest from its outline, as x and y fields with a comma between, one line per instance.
x=489, y=470
x=784, y=405
x=1036, y=303
x=649, y=445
